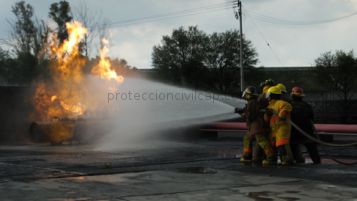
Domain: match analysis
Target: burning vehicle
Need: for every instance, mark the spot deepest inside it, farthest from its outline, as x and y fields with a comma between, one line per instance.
x=63, y=101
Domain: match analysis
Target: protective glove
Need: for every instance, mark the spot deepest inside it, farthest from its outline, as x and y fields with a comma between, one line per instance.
x=269, y=112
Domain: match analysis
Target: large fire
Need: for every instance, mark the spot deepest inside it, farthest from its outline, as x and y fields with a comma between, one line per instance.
x=64, y=95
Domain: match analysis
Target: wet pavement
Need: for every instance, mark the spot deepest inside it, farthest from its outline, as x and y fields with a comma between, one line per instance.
x=199, y=170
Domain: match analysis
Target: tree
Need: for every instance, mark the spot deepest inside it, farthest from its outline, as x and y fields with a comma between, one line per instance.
x=28, y=35
x=23, y=29
x=338, y=73
x=60, y=13
x=207, y=61
x=92, y=21
x=4, y=66
x=223, y=58
x=181, y=55
x=27, y=41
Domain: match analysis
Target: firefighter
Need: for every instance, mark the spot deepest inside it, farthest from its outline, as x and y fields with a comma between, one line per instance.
x=302, y=115
x=263, y=101
x=266, y=85
x=256, y=130
x=278, y=116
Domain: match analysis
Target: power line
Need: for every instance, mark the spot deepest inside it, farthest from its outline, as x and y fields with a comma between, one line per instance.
x=264, y=39
x=183, y=13
x=168, y=17
x=274, y=20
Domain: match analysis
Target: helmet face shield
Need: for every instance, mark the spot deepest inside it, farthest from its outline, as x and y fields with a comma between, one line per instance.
x=249, y=92
x=265, y=89
x=244, y=94
x=297, y=94
x=267, y=95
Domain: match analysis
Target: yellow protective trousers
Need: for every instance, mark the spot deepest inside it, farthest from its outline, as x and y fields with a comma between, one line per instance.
x=262, y=142
x=280, y=127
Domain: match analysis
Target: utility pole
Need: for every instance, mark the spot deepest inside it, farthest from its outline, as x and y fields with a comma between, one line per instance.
x=238, y=15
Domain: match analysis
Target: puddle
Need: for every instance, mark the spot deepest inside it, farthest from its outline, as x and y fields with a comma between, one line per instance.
x=198, y=170
x=266, y=196
x=289, y=198
x=260, y=196
x=76, y=199
x=292, y=192
x=113, y=178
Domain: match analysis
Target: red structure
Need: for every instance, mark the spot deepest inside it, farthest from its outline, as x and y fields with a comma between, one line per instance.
x=320, y=128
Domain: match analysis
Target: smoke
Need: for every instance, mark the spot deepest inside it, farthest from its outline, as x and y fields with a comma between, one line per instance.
x=134, y=113
x=71, y=96
x=107, y=109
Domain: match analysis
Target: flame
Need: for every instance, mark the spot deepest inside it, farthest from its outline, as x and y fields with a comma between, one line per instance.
x=65, y=95
x=104, y=68
x=53, y=98
x=69, y=61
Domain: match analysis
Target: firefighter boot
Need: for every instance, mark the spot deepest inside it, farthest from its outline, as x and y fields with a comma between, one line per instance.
x=269, y=161
x=283, y=155
x=267, y=149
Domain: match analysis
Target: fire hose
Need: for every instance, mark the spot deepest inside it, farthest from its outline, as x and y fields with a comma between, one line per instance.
x=325, y=143
x=316, y=140
x=320, y=141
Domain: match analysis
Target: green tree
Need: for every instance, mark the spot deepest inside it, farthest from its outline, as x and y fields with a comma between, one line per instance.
x=60, y=13
x=338, y=74
x=223, y=59
x=27, y=40
x=4, y=66
x=190, y=56
x=181, y=55
x=23, y=29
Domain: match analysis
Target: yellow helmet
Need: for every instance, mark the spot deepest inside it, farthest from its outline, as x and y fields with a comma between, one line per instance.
x=282, y=88
x=265, y=89
x=273, y=90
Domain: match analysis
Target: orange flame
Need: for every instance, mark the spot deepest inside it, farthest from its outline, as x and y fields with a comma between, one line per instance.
x=65, y=95
x=104, y=68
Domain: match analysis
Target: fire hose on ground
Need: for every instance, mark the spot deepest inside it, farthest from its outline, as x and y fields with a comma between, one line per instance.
x=320, y=141
x=316, y=140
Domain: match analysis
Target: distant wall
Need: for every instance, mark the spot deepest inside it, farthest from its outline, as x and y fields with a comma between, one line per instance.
x=15, y=107
x=326, y=105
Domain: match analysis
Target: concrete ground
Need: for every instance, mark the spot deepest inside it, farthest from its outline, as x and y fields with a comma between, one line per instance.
x=199, y=170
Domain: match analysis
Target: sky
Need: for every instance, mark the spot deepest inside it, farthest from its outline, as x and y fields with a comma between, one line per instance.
x=284, y=32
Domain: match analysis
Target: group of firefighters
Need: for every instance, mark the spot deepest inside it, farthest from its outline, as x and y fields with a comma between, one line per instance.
x=269, y=116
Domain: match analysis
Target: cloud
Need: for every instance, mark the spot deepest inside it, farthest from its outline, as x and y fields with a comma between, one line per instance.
x=294, y=45
x=300, y=45
x=135, y=43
